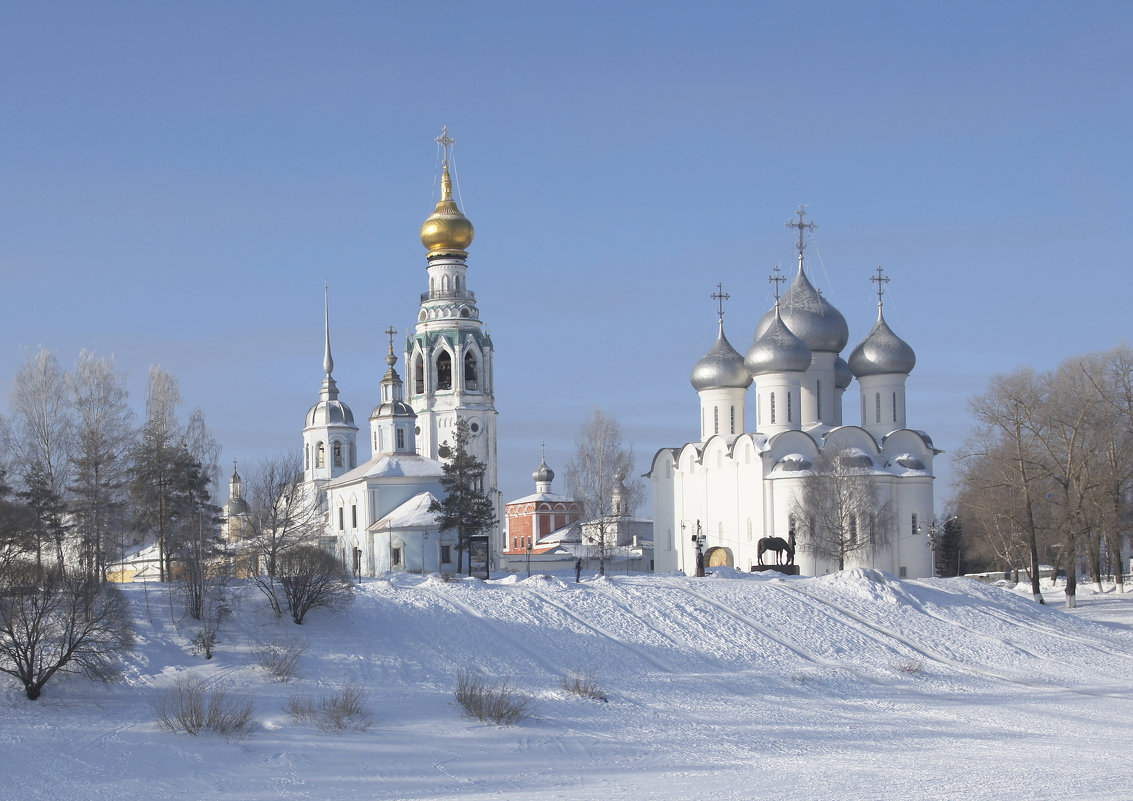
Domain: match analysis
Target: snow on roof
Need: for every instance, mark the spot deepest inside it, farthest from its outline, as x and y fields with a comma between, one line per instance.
x=549, y=497
x=414, y=513
x=392, y=465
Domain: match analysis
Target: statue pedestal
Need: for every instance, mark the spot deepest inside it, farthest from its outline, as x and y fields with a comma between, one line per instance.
x=786, y=570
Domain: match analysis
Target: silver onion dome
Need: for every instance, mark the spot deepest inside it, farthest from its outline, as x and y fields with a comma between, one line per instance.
x=777, y=350
x=810, y=317
x=543, y=473
x=842, y=375
x=721, y=368
x=882, y=352
x=330, y=412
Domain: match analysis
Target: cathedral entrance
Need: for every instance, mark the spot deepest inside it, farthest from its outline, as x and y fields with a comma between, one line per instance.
x=719, y=557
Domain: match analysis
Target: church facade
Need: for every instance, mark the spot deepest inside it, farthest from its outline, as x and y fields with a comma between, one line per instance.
x=377, y=510
x=745, y=486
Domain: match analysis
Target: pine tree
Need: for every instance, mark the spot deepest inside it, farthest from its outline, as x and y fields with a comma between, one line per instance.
x=466, y=508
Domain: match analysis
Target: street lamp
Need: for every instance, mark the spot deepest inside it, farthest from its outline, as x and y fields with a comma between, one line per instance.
x=528, y=557
x=698, y=539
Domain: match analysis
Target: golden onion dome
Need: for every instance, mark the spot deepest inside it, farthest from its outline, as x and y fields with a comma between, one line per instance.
x=447, y=229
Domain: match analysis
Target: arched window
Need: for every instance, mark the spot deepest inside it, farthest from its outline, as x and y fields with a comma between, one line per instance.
x=444, y=283
x=419, y=375
x=444, y=371
x=338, y=454
x=471, y=372
x=306, y=457
x=456, y=283
x=320, y=456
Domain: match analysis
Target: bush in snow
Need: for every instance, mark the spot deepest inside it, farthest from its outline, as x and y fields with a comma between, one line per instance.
x=490, y=701
x=584, y=684
x=59, y=621
x=345, y=708
x=280, y=656
x=190, y=707
x=312, y=578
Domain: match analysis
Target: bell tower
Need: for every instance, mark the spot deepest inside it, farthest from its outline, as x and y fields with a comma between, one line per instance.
x=449, y=355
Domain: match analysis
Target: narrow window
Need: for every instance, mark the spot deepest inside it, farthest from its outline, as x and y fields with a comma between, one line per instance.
x=354, y=515
x=395, y=557
x=894, y=407
x=338, y=454
x=877, y=405
x=916, y=525
x=400, y=439
x=446, y=554
x=471, y=372
x=444, y=371
x=789, y=407
x=792, y=526
x=306, y=457
x=340, y=522
x=853, y=531
x=353, y=456
x=716, y=420
x=902, y=572
x=772, y=408
x=419, y=375
x=818, y=399
x=732, y=429
x=320, y=455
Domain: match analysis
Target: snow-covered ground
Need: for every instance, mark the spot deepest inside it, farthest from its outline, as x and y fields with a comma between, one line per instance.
x=850, y=686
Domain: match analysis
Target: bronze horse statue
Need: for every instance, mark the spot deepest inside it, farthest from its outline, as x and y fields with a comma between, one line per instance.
x=780, y=546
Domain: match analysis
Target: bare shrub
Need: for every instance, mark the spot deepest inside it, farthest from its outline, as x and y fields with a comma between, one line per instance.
x=584, y=684
x=490, y=701
x=59, y=621
x=342, y=709
x=191, y=708
x=280, y=656
x=312, y=578
x=910, y=666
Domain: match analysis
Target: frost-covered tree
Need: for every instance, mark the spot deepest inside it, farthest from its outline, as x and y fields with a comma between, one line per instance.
x=595, y=477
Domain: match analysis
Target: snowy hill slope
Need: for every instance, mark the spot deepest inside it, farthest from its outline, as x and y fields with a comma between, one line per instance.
x=851, y=686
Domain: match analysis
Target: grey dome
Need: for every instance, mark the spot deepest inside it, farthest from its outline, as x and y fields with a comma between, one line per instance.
x=810, y=317
x=777, y=350
x=235, y=506
x=330, y=413
x=842, y=375
x=543, y=473
x=721, y=368
x=882, y=353
x=393, y=409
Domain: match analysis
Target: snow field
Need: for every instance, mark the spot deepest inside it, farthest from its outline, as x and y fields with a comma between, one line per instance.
x=850, y=686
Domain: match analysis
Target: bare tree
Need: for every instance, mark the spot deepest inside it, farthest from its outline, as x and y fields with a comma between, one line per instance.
x=103, y=436
x=313, y=579
x=40, y=437
x=838, y=511
x=53, y=620
x=283, y=514
x=595, y=478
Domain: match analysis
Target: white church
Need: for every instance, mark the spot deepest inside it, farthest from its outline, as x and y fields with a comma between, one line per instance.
x=378, y=518
x=741, y=480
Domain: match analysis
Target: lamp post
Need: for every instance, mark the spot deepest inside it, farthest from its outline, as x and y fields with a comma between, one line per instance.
x=698, y=539
x=528, y=557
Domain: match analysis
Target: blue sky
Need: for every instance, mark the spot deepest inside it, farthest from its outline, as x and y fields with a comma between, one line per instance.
x=176, y=180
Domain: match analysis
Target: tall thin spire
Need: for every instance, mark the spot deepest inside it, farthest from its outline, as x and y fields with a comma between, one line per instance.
x=328, y=362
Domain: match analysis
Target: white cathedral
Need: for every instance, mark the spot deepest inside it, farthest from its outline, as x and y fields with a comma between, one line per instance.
x=741, y=480
x=377, y=511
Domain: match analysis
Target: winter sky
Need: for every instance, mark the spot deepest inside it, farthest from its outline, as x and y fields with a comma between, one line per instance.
x=177, y=180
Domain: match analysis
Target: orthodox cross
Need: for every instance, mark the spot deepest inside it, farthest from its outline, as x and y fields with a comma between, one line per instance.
x=720, y=296
x=775, y=279
x=881, y=281
x=390, y=332
x=445, y=141
x=802, y=227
